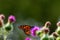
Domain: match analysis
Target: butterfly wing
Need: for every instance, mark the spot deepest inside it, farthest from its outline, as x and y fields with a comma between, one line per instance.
x=27, y=32
x=26, y=29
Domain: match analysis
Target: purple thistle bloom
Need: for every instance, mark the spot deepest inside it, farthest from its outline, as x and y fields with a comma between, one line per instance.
x=27, y=38
x=33, y=31
x=12, y=18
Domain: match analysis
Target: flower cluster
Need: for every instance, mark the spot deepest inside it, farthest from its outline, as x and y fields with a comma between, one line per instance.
x=43, y=32
x=6, y=29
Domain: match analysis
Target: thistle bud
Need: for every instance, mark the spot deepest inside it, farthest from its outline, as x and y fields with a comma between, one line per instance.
x=58, y=23
x=45, y=34
x=55, y=34
x=46, y=30
x=47, y=24
x=2, y=16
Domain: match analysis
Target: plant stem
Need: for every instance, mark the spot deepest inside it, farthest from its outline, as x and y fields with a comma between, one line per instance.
x=5, y=37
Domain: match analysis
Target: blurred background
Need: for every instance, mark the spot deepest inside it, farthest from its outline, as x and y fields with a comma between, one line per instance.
x=31, y=12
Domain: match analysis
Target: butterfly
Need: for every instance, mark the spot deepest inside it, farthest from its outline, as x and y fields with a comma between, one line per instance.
x=26, y=29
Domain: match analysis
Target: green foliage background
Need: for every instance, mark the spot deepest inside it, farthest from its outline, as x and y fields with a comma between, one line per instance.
x=39, y=10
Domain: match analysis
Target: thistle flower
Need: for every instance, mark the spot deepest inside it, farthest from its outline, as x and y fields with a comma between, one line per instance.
x=33, y=31
x=8, y=27
x=27, y=38
x=11, y=18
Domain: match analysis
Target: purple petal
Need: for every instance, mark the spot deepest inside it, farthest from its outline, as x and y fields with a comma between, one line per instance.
x=12, y=18
x=33, y=31
x=27, y=38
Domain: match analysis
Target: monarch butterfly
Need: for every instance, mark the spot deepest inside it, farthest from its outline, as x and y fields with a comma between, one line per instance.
x=26, y=29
